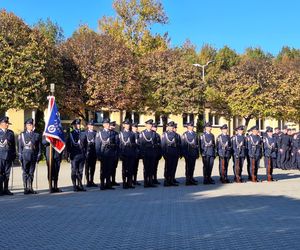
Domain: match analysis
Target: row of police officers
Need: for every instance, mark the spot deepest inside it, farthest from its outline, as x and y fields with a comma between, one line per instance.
x=84, y=148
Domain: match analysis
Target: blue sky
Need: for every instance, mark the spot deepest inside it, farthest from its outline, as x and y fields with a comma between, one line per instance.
x=269, y=24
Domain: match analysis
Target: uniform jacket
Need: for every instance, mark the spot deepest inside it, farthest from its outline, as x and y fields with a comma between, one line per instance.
x=207, y=142
x=7, y=145
x=91, y=144
x=29, y=146
x=238, y=143
x=127, y=144
x=254, y=144
x=107, y=143
x=190, y=144
x=171, y=144
x=147, y=143
x=76, y=144
x=270, y=147
x=223, y=146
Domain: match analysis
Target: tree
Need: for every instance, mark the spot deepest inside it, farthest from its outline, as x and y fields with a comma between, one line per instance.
x=132, y=25
x=99, y=73
x=27, y=64
x=171, y=83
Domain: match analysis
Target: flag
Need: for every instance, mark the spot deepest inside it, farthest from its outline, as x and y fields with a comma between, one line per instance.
x=53, y=129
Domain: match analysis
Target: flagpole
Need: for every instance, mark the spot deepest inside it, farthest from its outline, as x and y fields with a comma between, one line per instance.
x=52, y=89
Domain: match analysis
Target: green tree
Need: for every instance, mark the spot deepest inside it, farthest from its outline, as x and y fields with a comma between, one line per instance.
x=132, y=24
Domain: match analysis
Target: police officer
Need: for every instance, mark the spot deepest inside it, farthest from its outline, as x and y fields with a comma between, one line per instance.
x=277, y=133
x=112, y=127
x=127, y=154
x=91, y=156
x=76, y=149
x=7, y=154
x=293, y=161
x=107, y=143
x=223, y=147
x=239, y=145
x=29, y=154
x=170, y=144
x=134, y=129
x=284, y=147
x=270, y=152
x=158, y=154
x=190, y=152
x=178, y=138
x=55, y=162
x=297, y=151
x=254, y=145
x=148, y=153
x=249, y=132
x=207, y=148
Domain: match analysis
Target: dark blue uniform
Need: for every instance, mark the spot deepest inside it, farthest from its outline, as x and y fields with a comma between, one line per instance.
x=208, y=156
x=224, y=148
x=7, y=156
x=238, y=143
x=115, y=163
x=29, y=155
x=56, y=160
x=275, y=163
x=128, y=156
x=270, y=155
x=158, y=155
x=295, y=153
x=148, y=153
x=284, y=150
x=171, y=149
x=91, y=157
x=137, y=158
x=297, y=147
x=190, y=151
x=254, y=145
x=107, y=144
x=76, y=147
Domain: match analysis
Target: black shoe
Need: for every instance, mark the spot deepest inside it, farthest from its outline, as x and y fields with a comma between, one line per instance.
x=167, y=184
x=194, y=180
x=81, y=189
x=93, y=184
x=156, y=182
x=58, y=190
x=88, y=184
x=188, y=183
x=115, y=184
x=137, y=183
x=75, y=189
x=211, y=181
x=52, y=190
x=153, y=185
x=175, y=181
x=206, y=182
x=31, y=191
x=110, y=187
x=174, y=184
x=26, y=191
x=7, y=192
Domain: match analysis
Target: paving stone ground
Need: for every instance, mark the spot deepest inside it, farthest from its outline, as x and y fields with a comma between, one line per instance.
x=232, y=216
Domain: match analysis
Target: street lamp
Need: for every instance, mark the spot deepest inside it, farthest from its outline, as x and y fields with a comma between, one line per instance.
x=203, y=68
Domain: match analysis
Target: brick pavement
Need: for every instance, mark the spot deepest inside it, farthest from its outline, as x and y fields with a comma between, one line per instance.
x=232, y=216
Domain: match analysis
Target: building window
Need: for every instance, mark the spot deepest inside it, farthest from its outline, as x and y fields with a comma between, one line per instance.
x=186, y=118
x=133, y=116
x=281, y=124
x=260, y=123
x=99, y=116
x=214, y=119
x=237, y=121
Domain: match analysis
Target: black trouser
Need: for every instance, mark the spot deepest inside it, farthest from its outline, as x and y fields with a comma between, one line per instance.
x=5, y=167
x=208, y=163
x=28, y=172
x=90, y=166
x=77, y=165
x=254, y=161
x=135, y=168
x=190, y=163
x=54, y=170
x=171, y=162
x=223, y=167
x=238, y=163
x=284, y=157
x=106, y=169
x=127, y=169
x=248, y=166
x=148, y=162
x=114, y=169
x=269, y=165
x=156, y=162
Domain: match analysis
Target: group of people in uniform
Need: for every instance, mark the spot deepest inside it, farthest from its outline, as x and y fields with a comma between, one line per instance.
x=84, y=148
